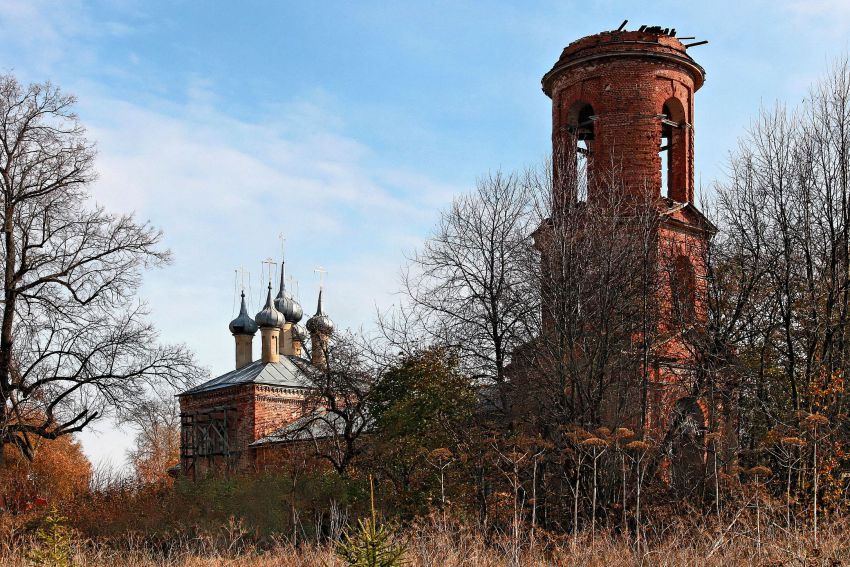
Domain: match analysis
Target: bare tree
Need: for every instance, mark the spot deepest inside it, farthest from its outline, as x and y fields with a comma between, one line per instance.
x=74, y=341
x=599, y=286
x=573, y=325
x=336, y=417
x=156, y=422
x=780, y=281
x=469, y=287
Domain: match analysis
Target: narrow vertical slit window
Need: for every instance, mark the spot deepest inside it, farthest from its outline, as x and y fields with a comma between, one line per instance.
x=664, y=151
x=581, y=136
x=672, y=151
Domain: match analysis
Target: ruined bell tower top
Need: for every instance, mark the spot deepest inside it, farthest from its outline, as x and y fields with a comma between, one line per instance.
x=646, y=43
x=623, y=101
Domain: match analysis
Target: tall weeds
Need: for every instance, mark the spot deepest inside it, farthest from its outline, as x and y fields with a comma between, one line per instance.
x=449, y=544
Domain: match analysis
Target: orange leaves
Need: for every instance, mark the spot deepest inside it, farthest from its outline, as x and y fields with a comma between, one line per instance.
x=760, y=471
x=441, y=454
x=816, y=419
x=156, y=451
x=638, y=446
x=58, y=473
x=594, y=442
x=624, y=433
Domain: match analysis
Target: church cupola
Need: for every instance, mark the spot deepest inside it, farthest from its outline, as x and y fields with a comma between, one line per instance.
x=291, y=311
x=299, y=338
x=243, y=328
x=270, y=321
x=283, y=302
x=320, y=327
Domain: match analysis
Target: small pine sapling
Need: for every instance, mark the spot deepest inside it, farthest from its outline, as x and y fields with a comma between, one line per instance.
x=371, y=544
x=54, y=543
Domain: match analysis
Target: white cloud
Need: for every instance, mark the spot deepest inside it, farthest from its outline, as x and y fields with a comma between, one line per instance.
x=51, y=33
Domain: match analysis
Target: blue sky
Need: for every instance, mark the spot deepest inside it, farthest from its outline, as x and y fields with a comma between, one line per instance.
x=347, y=126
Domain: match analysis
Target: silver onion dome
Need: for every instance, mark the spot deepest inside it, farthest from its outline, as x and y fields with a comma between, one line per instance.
x=299, y=333
x=297, y=313
x=243, y=324
x=284, y=302
x=320, y=323
x=269, y=316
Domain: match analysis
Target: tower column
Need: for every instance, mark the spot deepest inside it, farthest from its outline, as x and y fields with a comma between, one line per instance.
x=270, y=346
x=298, y=335
x=270, y=320
x=318, y=350
x=244, y=350
x=286, y=339
x=622, y=115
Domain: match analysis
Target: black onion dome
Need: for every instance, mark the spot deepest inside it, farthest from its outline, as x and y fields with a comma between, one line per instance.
x=269, y=316
x=320, y=323
x=284, y=303
x=243, y=324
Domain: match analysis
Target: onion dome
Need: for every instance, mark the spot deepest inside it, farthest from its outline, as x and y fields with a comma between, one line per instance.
x=299, y=333
x=269, y=316
x=284, y=303
x=297, y=312
x=243, y=324
x=320, y=323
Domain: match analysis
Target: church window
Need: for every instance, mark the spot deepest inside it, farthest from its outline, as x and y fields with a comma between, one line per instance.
x=581, y=133
x=671, y=150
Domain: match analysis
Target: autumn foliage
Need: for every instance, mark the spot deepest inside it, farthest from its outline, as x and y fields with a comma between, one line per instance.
x=58, y=474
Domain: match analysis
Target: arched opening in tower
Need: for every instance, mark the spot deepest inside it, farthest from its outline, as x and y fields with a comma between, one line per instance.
x=674, y=165
x=578, y=145
x=686, y=445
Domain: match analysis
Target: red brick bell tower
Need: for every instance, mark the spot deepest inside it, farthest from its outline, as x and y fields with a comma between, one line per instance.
x=623, y=106
x=629, y=96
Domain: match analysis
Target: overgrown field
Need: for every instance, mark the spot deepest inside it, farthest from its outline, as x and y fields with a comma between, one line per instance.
x=438, y=543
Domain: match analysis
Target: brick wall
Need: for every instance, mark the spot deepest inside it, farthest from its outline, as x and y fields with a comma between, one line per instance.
x=253, y=411
x=275, y=407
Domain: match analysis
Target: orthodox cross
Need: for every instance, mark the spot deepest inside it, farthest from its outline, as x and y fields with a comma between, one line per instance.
x=241, y=276
x=239, y=282
x=271, y=264
x=321, y=271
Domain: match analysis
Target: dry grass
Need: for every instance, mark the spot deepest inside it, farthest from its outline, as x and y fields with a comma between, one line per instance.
x=435, y=545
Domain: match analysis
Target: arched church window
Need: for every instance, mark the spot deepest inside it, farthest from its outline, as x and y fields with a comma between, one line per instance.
x=579, y=141
x=674, y=164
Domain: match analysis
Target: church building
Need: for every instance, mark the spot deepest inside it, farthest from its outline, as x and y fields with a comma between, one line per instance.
x=232, y=422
